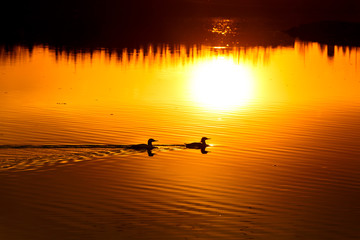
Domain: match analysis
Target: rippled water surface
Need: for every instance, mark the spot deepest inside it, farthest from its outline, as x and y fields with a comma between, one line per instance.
x=283, y=160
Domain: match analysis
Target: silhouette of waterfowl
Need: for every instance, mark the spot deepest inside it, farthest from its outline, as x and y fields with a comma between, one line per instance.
x=198, y=145
x=143, y=147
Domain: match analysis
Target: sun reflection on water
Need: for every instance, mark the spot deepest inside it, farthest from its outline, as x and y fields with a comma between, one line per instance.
x=216, y=78
x=223, y=26
x=221, y=84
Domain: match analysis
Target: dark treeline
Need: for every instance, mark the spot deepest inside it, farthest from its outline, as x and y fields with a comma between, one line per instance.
x=85, y=22
x=110, y=23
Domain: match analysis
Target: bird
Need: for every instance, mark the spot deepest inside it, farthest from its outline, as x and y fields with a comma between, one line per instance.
x=143, y=147
x=198, y=145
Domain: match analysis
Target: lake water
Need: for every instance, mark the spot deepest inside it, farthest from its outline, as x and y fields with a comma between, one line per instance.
x=283, y=160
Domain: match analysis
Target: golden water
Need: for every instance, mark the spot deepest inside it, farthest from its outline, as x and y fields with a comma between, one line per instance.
x=283, y=161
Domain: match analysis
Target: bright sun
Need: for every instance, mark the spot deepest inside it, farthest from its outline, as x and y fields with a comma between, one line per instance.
x=222, y=84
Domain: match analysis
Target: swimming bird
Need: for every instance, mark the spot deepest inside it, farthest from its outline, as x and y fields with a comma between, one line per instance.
x=143, y=147
x=198, y=145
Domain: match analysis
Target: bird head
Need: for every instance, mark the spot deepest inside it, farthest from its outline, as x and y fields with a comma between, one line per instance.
x=203, y=139
x=151, y=140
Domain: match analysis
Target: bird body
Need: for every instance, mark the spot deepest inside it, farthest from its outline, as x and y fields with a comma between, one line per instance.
x=198, y=145
x=144, y=147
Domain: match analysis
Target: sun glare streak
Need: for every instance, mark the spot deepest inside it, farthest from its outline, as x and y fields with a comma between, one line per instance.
x=222, y=84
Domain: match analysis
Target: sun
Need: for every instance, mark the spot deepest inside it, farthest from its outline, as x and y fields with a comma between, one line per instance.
x=222, y=84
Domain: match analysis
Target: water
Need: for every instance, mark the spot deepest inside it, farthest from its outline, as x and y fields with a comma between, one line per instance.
x=283, y=161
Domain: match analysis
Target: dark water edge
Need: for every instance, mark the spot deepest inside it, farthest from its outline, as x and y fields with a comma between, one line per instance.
x=329, y=32
x=135, y=33
x=118, y=24
x=189, y=31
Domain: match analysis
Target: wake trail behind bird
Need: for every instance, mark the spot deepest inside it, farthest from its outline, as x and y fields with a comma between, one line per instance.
x=81, y=146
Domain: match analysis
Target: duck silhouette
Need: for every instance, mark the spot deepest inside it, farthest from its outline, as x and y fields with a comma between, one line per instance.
x=198, y=145
x=143, y=147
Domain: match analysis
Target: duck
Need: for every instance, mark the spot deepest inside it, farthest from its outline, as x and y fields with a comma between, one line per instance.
x=144, y=147
x=198, y=145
